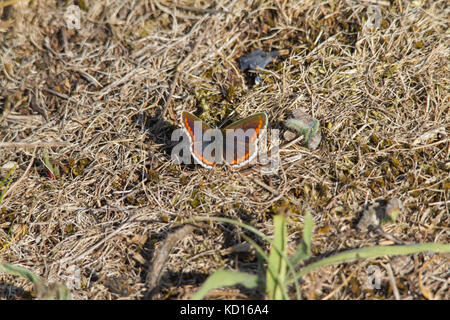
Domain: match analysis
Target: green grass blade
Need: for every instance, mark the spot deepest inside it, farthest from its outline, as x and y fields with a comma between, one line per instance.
x=373, y=252
x=258, y=249
x=49, y=166
x=276, y=267
x=226, y=278
x=262, y=255
x=19, y=271
x=43, y=291
x=245, y=226
x=7, y=185
x=256, y=232
x=304, y=249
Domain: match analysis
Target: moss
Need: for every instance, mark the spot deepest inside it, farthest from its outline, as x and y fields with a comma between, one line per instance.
x=153, y=176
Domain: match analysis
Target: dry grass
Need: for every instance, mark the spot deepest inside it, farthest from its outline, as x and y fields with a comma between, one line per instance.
x=91, y=98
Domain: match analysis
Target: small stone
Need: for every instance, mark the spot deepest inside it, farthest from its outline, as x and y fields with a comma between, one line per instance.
x=289, y=135
x=307, y=126
x=379, y=213
x=314, y=141
x=9, y=165
x=259, y=59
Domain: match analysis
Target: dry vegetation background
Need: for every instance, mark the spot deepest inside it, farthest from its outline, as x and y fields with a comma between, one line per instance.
x=91, y=99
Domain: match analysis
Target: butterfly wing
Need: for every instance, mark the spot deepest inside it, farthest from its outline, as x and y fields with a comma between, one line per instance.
x=195, y=129
x=241, y=139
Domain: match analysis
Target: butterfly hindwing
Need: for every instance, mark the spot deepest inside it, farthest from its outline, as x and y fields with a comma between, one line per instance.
x=241, y=139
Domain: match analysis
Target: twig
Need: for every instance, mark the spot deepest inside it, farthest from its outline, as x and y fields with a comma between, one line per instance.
x=34, y=106
x=392, y=282
x=8, y=3
x=59, y=95
x=388, y=236
x=201, y=10
x=178, y=71
x=174, y=13
x=343, y=284
x=32, y=145
x=159, y=262
x=426, y=293
x=70, y=259
x=10, y=189
x=6, y=108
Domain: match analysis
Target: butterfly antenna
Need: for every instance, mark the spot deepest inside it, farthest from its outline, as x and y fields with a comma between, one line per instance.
x=227, y=118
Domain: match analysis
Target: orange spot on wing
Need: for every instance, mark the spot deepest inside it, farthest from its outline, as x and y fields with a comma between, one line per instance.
x=200, y=156
x=189, y=128
x=258, y=128
x=252, y=139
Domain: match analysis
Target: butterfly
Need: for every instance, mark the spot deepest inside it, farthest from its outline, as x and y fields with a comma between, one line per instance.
x=235, y=145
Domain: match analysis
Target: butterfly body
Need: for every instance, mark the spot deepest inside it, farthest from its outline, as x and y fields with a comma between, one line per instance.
x=235, y=145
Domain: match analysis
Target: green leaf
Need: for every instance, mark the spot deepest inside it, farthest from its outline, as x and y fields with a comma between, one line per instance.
x=50, y=167
x=308, y=129
x=226, y=278
x=7, y=178
x=19, y=271
x=43, y=291
x=258, y=249
x=276, y=267
x=372, y=252
x=304, y=249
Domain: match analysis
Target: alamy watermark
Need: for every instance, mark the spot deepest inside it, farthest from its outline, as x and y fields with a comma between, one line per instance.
x=374, y=17
x=72, y=17
x=374, y=278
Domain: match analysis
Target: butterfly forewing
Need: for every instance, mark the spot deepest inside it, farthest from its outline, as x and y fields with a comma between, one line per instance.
x=203, y=140
x=241, y=139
